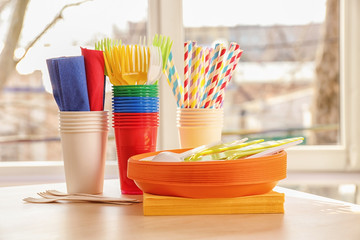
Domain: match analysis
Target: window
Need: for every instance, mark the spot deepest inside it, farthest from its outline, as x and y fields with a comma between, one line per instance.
x=29, y=136
x=29, y=116
x=29, y=129
x=275, y=92
x=337, y=155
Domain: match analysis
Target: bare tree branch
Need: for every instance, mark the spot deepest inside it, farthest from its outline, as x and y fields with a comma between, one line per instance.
x=3, y=4
x=47, y=27
x=11, y=41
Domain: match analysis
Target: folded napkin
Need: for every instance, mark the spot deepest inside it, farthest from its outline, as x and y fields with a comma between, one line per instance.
x=272, y=202
x=95, y=78
x=68, y=80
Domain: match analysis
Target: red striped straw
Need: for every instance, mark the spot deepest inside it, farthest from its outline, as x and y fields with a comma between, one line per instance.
x=210, y=74
x=227, y=64
x=235, y=64
x=205, y=69
x=220, y=98
x=186, y=73
x=215, y=77
x=199, y=72
x=192, y=72
x=208, y=58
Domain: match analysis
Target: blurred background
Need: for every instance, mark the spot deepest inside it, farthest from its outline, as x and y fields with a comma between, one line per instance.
x=287, y=82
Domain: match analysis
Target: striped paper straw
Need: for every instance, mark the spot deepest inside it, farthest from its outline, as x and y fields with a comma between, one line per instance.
x=214, y=77
x=212, y=66
x=201, y=78
x=192, y=83
x=220, y=98
x=187, y=62
x=208, y=53
x=208, y=58
x=238, y=56
x=174, y=80
x=197, y=70
x=223, y=86
x=226, y=70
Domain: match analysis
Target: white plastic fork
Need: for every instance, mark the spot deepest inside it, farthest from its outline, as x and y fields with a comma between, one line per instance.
x=52, y=200
x=87, y=198
x=155, y=65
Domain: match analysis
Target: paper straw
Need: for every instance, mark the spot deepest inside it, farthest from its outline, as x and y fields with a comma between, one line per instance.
x=226, y=70
x=220, y=98
x=192, y=83
x=201, y=78
x=174, y=80
x=208, y=58
x=210, y=74
x=195, y=82
x=214, y=78
x=209, y=53
x=187, y=60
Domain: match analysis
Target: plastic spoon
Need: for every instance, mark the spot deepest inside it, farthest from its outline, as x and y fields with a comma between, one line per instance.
x=274, y=150
x=179, y=157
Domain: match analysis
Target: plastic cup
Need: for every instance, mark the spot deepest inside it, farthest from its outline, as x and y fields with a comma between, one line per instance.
x=136, y=91
x=144, y=95
x=199, y=126
x=135, y=111
x=136, y=102
x=135, y=99
x=140, y=124
x=135, y=122
x=132, y=141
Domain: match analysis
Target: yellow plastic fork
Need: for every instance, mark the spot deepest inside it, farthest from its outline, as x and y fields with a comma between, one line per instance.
x=113, y=66
x=135, y=64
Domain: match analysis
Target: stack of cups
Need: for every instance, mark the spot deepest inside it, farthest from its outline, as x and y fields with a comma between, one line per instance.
x=135, y=122
x=83, y=138
x=199, y=126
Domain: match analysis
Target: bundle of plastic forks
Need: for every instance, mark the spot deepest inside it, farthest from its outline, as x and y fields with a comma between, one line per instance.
x=51, y=196
x=134, y=62
x=131, y=64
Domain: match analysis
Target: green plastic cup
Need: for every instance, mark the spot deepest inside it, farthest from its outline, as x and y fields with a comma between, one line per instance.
x=136, y=91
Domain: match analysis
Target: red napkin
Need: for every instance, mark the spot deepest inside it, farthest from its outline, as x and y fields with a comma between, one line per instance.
x=94, y=67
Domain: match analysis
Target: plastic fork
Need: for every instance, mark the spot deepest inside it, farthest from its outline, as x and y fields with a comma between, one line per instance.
x=87, y=198
x=165, y=46
x=106, y=44
x=155, y=62
x=135, y=64
x=155, y=65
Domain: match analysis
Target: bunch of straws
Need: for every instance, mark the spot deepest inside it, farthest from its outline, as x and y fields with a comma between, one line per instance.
x=207, y=72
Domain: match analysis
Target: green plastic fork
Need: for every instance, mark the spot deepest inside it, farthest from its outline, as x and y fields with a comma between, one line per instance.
x=165, y=44
x=105, y=45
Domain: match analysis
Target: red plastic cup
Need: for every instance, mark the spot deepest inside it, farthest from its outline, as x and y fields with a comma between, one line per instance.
x=130, y=141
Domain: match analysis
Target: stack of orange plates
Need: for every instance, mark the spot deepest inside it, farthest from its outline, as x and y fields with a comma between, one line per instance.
x=211, y=179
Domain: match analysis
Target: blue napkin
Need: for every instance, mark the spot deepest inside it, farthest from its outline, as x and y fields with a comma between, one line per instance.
x=68, y=80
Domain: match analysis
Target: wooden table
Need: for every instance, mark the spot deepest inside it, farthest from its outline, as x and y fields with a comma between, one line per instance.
x=306, y=217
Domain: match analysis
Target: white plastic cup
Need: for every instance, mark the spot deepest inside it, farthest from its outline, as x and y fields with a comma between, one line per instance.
x=199, y=126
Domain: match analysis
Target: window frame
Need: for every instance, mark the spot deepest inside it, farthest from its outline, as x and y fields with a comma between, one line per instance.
x=344, y=157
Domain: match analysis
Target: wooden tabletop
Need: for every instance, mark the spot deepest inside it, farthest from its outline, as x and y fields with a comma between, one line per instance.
x=306, y=217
